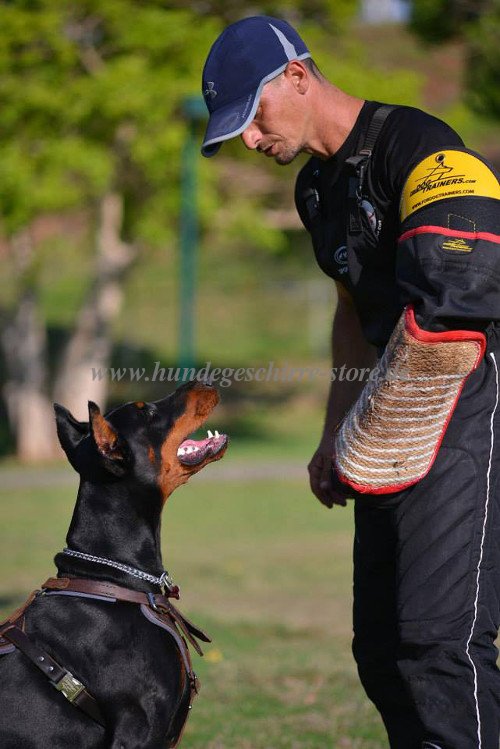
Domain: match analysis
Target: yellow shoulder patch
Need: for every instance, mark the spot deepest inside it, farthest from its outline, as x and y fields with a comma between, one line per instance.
x=447, y=174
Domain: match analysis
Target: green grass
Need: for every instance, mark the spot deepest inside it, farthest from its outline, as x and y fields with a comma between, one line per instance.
x=266, y=570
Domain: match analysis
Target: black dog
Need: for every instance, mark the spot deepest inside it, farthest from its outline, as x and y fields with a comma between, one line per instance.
x=101, y=632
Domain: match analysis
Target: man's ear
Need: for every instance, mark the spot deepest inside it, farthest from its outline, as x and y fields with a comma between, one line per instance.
x=70, y=431
x=107, y=440
x=298, y=75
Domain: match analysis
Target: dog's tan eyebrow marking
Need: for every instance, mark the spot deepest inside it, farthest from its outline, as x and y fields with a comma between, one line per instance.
x=139, y=404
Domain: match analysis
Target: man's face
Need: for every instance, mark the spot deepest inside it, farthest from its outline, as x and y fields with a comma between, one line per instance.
x=278, y=129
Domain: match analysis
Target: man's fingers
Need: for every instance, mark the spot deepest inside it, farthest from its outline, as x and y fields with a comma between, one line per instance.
x=320, y=479
x=319, y=488
x=329, y=496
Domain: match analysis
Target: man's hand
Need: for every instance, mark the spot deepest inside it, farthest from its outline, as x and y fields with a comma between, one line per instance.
x=349, y=348
x=321, y=477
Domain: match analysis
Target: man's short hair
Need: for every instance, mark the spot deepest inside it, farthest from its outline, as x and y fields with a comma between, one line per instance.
x=313, y=68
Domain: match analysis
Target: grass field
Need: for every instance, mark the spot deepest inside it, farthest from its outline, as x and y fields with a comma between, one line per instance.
x=266, y=570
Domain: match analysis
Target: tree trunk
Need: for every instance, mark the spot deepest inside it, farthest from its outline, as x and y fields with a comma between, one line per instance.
x=91, y=344
x=24, y=342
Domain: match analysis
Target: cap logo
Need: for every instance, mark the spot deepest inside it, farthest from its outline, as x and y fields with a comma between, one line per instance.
x=210, y=91
x=288, y=47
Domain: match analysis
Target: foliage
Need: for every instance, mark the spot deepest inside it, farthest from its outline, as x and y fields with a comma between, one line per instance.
x=483, y=70
x=332, y=16
x=91, y=103
x=344, y=62
x=436, y=21
x=477, y=22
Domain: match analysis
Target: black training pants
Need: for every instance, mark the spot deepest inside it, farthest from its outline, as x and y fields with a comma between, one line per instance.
x=427, y=585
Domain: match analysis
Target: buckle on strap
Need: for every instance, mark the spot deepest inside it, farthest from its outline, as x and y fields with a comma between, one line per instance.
x=69, y=686
x=194, y=682
x=152, y=602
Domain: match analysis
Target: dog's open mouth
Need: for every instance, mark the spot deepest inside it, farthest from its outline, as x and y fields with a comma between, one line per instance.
x=193, y=452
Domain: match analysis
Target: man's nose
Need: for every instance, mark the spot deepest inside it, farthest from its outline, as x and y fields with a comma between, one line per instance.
x=251, y=136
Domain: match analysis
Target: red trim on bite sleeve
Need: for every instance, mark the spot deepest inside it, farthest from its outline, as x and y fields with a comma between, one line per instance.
x=428, y=336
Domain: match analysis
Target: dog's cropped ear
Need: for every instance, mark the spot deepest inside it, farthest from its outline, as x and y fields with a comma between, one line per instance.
x=107, y=440
x=70, y=431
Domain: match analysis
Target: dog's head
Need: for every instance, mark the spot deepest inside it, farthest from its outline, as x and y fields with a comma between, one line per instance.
x=146, y=442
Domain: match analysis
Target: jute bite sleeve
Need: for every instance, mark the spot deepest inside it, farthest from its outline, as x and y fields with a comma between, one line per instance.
x=390, y=437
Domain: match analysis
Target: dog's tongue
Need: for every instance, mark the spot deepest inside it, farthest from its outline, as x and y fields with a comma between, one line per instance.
x=191, y=452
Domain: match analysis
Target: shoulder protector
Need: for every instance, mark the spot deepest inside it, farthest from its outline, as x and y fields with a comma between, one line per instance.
x=448, y=260
x=450, y=173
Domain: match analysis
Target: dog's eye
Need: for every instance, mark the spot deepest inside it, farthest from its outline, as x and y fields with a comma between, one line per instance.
x=146, y=409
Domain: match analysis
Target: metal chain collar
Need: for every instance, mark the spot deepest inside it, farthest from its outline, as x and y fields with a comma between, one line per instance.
x=164, y=581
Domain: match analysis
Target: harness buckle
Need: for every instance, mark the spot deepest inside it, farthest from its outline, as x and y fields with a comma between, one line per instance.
x=152, y=602
x=69, y=686
x=194, y=682
x=166, y=583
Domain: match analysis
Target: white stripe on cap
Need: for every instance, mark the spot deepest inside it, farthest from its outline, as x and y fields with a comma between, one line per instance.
x=290, y=50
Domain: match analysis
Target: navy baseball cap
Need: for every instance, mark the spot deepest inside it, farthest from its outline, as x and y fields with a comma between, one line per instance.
x=247, y=55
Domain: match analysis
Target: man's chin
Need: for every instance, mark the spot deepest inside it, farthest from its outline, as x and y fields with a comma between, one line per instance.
x=286, y=158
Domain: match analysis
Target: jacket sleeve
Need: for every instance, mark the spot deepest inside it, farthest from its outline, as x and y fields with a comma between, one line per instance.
x=448, y=259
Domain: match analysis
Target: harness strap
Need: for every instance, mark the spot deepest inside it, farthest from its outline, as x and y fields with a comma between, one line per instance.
x=110, y=590
x=160, y=620
x=60, y=678
x=360, y=162
x=17, y=614
x=156, y=607
x=103, y=588
x=379, y=117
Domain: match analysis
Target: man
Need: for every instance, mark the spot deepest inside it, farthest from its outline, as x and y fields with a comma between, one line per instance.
x=407, y=222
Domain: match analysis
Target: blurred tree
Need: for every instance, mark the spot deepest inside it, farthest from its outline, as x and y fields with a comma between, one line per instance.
x=330, y=15
x=483, y=69
x=477, y=22
x=439, y=20
x=89, y=93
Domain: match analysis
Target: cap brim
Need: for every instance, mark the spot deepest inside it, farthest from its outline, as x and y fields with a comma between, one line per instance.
x=229, y=121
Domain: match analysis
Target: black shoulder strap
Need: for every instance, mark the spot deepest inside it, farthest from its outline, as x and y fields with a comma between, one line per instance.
x=377, y=122
x=359, y=163
x=366, y=146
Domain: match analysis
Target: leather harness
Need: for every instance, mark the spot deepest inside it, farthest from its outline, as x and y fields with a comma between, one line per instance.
x=155, y=607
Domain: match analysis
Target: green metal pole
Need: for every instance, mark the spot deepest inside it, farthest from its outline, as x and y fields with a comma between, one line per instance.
x=194, y=110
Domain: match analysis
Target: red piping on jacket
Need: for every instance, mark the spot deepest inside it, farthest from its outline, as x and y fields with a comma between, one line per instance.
x=487, y=236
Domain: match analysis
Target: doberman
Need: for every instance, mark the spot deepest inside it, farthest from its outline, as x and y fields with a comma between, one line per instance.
x=100, y=632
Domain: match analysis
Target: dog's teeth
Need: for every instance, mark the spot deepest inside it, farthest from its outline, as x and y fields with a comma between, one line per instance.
x=217, y=433
x=209, y=433
x=187, y=450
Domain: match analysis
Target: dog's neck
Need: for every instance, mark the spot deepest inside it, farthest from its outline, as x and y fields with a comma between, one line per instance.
x=117, y=521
